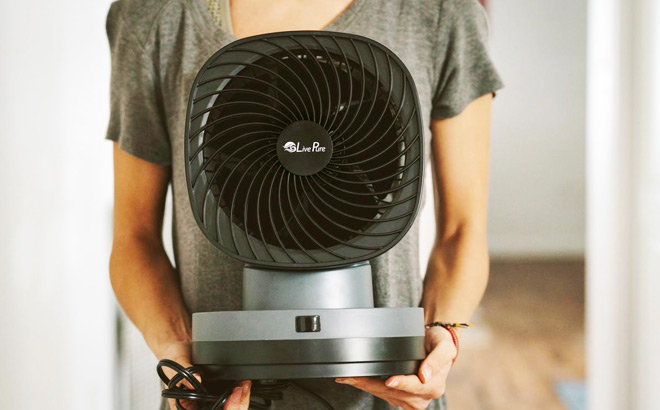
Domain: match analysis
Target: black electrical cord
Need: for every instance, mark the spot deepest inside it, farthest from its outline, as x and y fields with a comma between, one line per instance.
x=207, y=392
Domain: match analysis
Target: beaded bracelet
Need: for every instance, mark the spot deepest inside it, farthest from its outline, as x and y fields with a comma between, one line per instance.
x=450, y=328
x=447, y=324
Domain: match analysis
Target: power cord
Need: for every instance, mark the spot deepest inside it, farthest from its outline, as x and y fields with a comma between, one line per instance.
x=207, y=392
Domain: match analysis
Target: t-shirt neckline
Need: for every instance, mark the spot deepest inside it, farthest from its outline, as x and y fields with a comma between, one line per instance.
x=209, y=26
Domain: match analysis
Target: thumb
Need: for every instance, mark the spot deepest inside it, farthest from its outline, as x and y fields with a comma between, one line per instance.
x=439, y=357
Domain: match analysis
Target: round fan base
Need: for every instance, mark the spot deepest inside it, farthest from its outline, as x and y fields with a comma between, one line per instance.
x=308, y=343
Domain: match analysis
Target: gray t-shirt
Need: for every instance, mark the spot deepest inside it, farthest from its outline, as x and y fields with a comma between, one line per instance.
x=157, y=48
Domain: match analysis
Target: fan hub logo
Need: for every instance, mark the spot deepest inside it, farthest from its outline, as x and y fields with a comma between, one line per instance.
x=292, y=147
x=304, y=148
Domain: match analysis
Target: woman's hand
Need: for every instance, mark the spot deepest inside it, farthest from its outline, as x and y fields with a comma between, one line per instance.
x=414, y=392
x=180, y=353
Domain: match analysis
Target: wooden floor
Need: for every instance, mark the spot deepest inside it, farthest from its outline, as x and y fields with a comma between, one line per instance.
x=529, y=334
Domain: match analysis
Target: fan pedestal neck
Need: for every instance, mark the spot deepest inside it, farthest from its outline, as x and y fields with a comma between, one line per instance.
x=342, y=288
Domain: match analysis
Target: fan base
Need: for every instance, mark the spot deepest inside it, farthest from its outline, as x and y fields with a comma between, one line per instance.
x=309, y=343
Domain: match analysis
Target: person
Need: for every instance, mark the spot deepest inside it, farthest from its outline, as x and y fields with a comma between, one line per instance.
x=157, y=48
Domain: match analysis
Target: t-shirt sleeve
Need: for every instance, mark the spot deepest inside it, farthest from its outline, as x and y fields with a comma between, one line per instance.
x=137, y=121
x=465, y=68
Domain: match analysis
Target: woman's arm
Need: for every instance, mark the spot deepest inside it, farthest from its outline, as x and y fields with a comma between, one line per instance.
x=144, y=280
x=457, y=271
x=141, y=274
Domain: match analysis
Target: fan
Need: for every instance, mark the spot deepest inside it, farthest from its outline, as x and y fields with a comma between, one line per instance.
x=304, y=160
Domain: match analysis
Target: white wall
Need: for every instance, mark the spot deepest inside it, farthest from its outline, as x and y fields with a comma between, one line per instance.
x=537, y=154
x=57, y=324
x=623, y=205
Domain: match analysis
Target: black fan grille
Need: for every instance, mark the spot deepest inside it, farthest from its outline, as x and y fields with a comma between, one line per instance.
x=251, y=207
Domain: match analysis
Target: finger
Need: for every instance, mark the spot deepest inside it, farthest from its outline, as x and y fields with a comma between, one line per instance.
x=187, y=404
x=371, y=385
x=393, y=397
x=190, y=405
x=411, y=384
x=234, y=400
x=245, y=394
x=431, y=380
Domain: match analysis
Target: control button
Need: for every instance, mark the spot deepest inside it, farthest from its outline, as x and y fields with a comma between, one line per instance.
x=308, y=324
